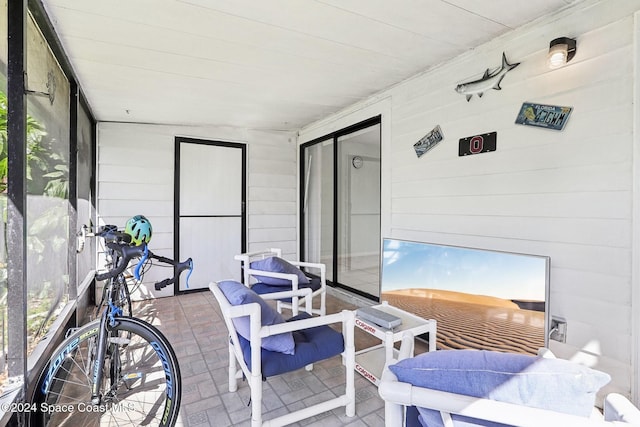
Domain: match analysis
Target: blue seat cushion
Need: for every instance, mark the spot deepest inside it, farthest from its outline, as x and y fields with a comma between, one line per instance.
x=553, y=384
x=262, y=288
x=276, y=264
x=311, y=345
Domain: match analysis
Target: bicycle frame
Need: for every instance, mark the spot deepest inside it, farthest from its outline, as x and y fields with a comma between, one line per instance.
x=121, y=284
x=113, y=309
x=107, y=320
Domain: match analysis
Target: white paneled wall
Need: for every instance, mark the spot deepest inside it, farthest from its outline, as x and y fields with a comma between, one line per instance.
x=272, y=194
x=136, y=175
x=568, y=195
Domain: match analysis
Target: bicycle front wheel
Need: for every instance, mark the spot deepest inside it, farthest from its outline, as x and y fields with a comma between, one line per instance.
x=141, y=379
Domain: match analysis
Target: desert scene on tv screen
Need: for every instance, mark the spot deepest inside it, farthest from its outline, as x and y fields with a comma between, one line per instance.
x=481, y=299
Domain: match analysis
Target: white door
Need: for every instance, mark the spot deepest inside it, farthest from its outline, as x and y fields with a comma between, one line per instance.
x=210, y=218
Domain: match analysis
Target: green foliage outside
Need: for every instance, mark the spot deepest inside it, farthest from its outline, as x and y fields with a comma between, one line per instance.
x=47, y=234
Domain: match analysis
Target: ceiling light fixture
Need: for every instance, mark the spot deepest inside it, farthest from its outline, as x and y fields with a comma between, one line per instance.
x=561, y=50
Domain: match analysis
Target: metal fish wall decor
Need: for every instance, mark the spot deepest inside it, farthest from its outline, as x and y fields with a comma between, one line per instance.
x=490, y=80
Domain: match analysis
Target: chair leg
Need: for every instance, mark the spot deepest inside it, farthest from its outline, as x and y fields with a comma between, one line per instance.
x=323, y=303
x=394, y=414
x=350, y=365
x=256, y=400
x=350, y=390
x=233, y=381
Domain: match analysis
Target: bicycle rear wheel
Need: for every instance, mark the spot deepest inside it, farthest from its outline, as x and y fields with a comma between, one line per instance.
x=141, y=379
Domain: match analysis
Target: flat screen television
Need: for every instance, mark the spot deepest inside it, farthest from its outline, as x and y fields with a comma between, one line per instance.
x=482, y=299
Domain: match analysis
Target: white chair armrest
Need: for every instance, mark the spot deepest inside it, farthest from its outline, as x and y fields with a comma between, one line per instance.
x=619, y=408
x=391, y=390
x=304, y=292
x=254, y=308
x=297, y=325
x=300, y=293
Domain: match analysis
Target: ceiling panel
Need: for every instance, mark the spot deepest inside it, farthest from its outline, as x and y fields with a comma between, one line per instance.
x=264, y=64
x=509, y=13
x=437, y=20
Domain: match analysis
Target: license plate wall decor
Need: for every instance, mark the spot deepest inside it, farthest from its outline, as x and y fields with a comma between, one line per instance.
x=428, y=141
x=545, y=116
x=477, y=144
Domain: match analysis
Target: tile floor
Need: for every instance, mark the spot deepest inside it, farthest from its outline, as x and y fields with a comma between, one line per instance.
x=194, y=325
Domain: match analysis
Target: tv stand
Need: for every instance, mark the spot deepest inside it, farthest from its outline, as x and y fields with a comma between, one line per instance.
x=371, y=361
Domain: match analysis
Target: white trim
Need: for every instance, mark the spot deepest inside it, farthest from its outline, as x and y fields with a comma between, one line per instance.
x=635, y=218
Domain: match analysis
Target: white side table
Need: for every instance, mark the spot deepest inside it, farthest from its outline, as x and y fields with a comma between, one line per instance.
x=371, y=361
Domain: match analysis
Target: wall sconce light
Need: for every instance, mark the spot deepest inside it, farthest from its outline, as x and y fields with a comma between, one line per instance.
x=561, y=50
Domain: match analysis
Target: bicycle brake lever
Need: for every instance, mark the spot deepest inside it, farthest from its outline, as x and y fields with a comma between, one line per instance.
x=145, y=256
x=189, y=273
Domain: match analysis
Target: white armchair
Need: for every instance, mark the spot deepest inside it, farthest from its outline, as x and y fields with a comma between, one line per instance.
x=266, y=277
x=260, y=346
x=402, y=399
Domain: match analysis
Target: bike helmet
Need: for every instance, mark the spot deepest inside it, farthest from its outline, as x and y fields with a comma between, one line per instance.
x=139, y=228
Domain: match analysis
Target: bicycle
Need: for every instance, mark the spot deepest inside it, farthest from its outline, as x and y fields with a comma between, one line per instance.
x=117, y=368
x=112, y=236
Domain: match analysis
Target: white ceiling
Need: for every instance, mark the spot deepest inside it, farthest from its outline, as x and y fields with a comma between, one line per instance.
x=264, y=64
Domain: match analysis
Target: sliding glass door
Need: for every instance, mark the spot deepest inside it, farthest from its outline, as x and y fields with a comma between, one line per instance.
x=341, y=206
x=318, y=204
x=358, y=242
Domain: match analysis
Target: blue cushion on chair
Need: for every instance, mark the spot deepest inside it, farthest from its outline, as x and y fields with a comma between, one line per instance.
x=312, y=345
x=264, y=288
x=554, y=384
x=275, y=264
x=238, y=294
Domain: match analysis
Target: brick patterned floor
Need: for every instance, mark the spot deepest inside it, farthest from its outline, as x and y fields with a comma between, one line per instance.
x=194, y=326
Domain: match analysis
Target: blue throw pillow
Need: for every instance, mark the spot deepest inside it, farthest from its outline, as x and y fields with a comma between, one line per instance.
x=275, y=264
x=238, y=294
x=553, y=384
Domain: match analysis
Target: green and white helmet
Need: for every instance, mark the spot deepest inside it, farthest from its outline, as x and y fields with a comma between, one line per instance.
x=139, y=228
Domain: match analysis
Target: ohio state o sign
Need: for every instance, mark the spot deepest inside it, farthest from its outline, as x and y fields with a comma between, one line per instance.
x=477, y=144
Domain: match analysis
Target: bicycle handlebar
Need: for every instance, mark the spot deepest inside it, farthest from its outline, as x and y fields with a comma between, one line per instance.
x=110, y=233
x=129, y=252
x=180, y=267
